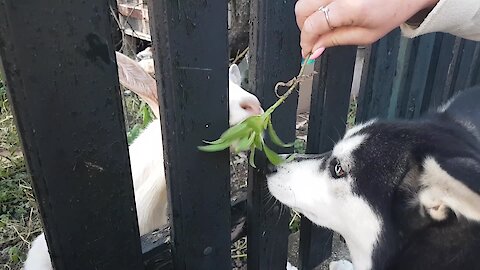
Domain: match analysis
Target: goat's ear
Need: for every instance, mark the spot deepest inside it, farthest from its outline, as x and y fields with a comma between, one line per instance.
x=133, y=77
x=450, y=183
x=234, y=74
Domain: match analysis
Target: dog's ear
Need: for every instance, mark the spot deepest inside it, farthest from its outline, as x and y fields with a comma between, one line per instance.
x=132, y=76
x=450, y=183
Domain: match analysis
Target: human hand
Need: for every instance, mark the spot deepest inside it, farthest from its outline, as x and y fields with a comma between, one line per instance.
x=351, y=22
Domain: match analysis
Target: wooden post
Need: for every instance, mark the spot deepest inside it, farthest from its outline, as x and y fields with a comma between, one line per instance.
x=61, y=74
x=435, y=89
x=377, y=79
x=419, y=63
x=328, y=118
x=191, y=57
x=274, y=56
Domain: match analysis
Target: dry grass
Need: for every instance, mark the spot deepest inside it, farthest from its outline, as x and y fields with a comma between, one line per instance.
x=19, y=220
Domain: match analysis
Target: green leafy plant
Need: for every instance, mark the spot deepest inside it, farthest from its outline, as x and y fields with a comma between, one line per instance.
x=146, y=118
x=248, y=134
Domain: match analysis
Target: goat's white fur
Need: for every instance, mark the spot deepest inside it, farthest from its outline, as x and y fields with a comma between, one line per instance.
x=145, y=54
x=148, y=66
x=146, y=154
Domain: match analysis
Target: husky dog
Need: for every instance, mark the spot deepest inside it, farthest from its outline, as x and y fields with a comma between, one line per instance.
x=403, y=194
x=146, y=153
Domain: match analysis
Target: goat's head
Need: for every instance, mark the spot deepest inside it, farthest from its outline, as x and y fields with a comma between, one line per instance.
x=242, y=104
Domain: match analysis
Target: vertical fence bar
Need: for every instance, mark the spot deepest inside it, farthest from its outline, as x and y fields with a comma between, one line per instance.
x=376, y=87
x=440, y=62
x=116, y=32
x=328, y=118
x=420, y=71
x=400, y=81
x=438, y=84
x=62, y=80
x=474, y=72
x=466, y=60
x=191, y=63
x=449, y=86
x=436, y=66
x=440, y=59
x=275, y=55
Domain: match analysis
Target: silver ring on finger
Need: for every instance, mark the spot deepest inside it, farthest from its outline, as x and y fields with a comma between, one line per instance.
x=325, y=11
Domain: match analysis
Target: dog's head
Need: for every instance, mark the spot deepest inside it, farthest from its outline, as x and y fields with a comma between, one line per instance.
x=381, y=177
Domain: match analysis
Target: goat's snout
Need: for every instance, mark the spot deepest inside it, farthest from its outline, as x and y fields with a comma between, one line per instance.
x=251, y=106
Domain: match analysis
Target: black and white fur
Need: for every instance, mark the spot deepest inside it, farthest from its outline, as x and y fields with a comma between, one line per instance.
x=403, y=194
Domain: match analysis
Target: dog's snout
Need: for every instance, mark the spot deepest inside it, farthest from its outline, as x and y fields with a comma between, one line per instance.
x=270, y=169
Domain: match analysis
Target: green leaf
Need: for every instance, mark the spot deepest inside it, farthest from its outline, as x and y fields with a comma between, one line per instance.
x=251, y=160
x=273, y=157
x=146, y=116
x=290, y=158
x=245, y=143
x=274, y=137
x=133, y=133
x=267, y=120
x=255, y=123
x=233, y=133
x=214, y=147
x=258, y=141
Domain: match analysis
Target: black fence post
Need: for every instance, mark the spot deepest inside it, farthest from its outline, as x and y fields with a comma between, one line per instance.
x=327, y=123
x=275, y=56
x=191, y=62
x=466, y=63
x=61, y=74
x=377, y=79
x=419, y=63
x=116, y=31
x=473, y=77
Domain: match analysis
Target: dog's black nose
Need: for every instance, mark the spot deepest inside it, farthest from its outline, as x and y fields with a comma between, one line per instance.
x=270, y=169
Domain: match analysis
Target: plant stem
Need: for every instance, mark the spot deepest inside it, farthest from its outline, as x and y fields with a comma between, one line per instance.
x=290, y=89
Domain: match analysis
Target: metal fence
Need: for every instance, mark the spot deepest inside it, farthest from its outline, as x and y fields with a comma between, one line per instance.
x=59, y=63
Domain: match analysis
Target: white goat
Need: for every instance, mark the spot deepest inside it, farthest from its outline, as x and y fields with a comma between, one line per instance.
x=145, y=60
x=146, y=157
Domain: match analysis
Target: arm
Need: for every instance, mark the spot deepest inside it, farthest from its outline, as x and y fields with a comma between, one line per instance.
x=457, y=17
x=327, y=23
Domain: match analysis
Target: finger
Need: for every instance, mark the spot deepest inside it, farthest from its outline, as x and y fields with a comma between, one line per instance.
x=317, y=24
x=305, y=8
x=314, y=26
x=348, y=35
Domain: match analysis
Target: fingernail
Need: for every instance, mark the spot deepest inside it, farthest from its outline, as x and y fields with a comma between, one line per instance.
x=317, y=53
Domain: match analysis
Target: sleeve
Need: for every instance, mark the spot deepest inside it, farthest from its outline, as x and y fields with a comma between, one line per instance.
x=457, y=17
